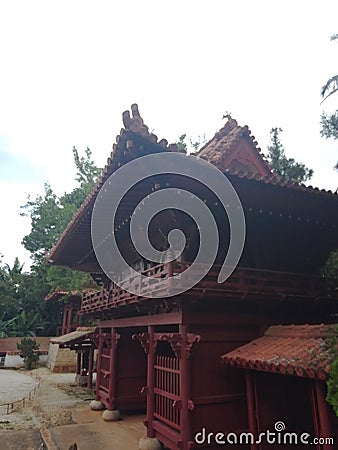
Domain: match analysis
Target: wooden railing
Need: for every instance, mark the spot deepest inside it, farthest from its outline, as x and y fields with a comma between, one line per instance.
x=164, y=280
x=167, y=391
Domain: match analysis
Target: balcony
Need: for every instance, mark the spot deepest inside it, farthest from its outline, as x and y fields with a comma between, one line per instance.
x=243, y=283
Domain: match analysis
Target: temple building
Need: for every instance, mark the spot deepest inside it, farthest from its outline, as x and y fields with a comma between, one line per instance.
x=244, y=355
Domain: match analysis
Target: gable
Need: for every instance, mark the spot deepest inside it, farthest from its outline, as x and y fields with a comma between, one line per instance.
x=233, y=148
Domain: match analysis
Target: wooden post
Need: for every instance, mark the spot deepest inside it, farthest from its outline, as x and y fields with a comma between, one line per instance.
x=64, y=316
x=112, y=372
x=251, y=405
x=98, y=364
x=78, y=363
x=323, y=413
x=90, y=367
x=185, y=426
x=151, y=382
x=69, y=322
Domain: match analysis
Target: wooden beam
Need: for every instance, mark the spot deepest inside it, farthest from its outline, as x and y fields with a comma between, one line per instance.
x=156, y=319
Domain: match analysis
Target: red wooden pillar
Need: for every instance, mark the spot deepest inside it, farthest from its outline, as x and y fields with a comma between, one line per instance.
x=98, y=364
x=151, y=382
x=325, y=429
x=69, y=323
x=64, y=320
x=185, y=425
x=251, y=405
x=78, y=363
x=90, y=366
x=112, y=371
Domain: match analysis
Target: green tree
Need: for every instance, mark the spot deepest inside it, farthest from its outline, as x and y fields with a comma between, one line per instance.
x=329, y=122
x=286, y=168
x=28, y=351
x=23, y=311
x=190, y=145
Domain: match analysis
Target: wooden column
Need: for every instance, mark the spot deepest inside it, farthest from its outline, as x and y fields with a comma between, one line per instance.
x=112, y=371
x=251, y=405
x=98, y=364
x=185, y=425
x=69, y=321
x=64, y=318
x=78, y=363
x=323, y=413
x=90, y=366
x=150, y=382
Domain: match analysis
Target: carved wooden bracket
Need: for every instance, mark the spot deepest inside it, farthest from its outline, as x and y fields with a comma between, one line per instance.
x=107, y=338
x=144, y=340
x=175, y=340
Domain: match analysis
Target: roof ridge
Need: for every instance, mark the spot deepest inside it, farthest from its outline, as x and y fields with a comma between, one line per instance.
x=134, y=124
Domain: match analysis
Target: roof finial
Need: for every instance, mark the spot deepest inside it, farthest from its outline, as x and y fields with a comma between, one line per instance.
x=227, y=115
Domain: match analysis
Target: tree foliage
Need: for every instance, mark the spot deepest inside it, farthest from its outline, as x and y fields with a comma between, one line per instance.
x=28, y=351
x=23, y=311
x=329, y=122
x=286, y=168
x=187, y=144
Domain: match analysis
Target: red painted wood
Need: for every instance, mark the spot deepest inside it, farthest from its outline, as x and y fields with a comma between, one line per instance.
x=325, y=426
x=98, y=365
x=243, y=283
x=151, y=383
x=112, y=370
x=251, y=404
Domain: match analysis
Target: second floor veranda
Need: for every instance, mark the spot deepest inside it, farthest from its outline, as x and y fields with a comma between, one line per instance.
x=164, y=280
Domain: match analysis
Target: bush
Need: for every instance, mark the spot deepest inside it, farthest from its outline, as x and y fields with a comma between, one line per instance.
x=28, y=351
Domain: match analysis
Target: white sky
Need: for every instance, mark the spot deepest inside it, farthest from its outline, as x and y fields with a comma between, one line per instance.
x=70, y=68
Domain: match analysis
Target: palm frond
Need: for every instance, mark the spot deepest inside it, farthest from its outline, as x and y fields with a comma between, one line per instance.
x=331, y=85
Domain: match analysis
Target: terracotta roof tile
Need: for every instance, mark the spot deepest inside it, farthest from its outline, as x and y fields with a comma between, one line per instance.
x=299, y=350
x=133, y=123
x=219, y=148
x=215, y=151
x=81, y=334
x=8, y=345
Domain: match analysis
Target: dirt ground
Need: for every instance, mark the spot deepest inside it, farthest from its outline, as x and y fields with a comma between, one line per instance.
x=59, y=413
x=50, y=406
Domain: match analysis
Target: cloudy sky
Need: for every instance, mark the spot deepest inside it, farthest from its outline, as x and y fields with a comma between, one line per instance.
x=70, y=68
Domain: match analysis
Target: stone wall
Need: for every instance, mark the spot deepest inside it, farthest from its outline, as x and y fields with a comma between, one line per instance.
x=15, y=361
x=61, y=359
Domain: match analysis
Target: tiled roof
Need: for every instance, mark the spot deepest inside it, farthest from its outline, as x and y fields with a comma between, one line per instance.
x=132, y=124
x=55, y=295
x=58, y=294
x=298, y=350
x=215, y=151
x=224, y=146
x=81, y=334
x=8, y=345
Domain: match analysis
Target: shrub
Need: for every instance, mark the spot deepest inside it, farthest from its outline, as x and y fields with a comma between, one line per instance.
x=28, y=351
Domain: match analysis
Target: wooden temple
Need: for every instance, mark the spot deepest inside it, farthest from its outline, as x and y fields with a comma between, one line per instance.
x=69, y=305
x=185, y=359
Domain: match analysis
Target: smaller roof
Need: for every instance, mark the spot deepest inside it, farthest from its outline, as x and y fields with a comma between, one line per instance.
x=233, y=147
x=8, y=345
x=81, y=335
x=299, y=350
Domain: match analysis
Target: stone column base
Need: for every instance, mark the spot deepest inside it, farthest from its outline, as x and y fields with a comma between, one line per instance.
x=96, y=405
x=149, y=444
x=110, y=416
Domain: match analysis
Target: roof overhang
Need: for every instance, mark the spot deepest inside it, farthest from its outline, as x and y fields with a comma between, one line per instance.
x=298, y=350
x=81, y=337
